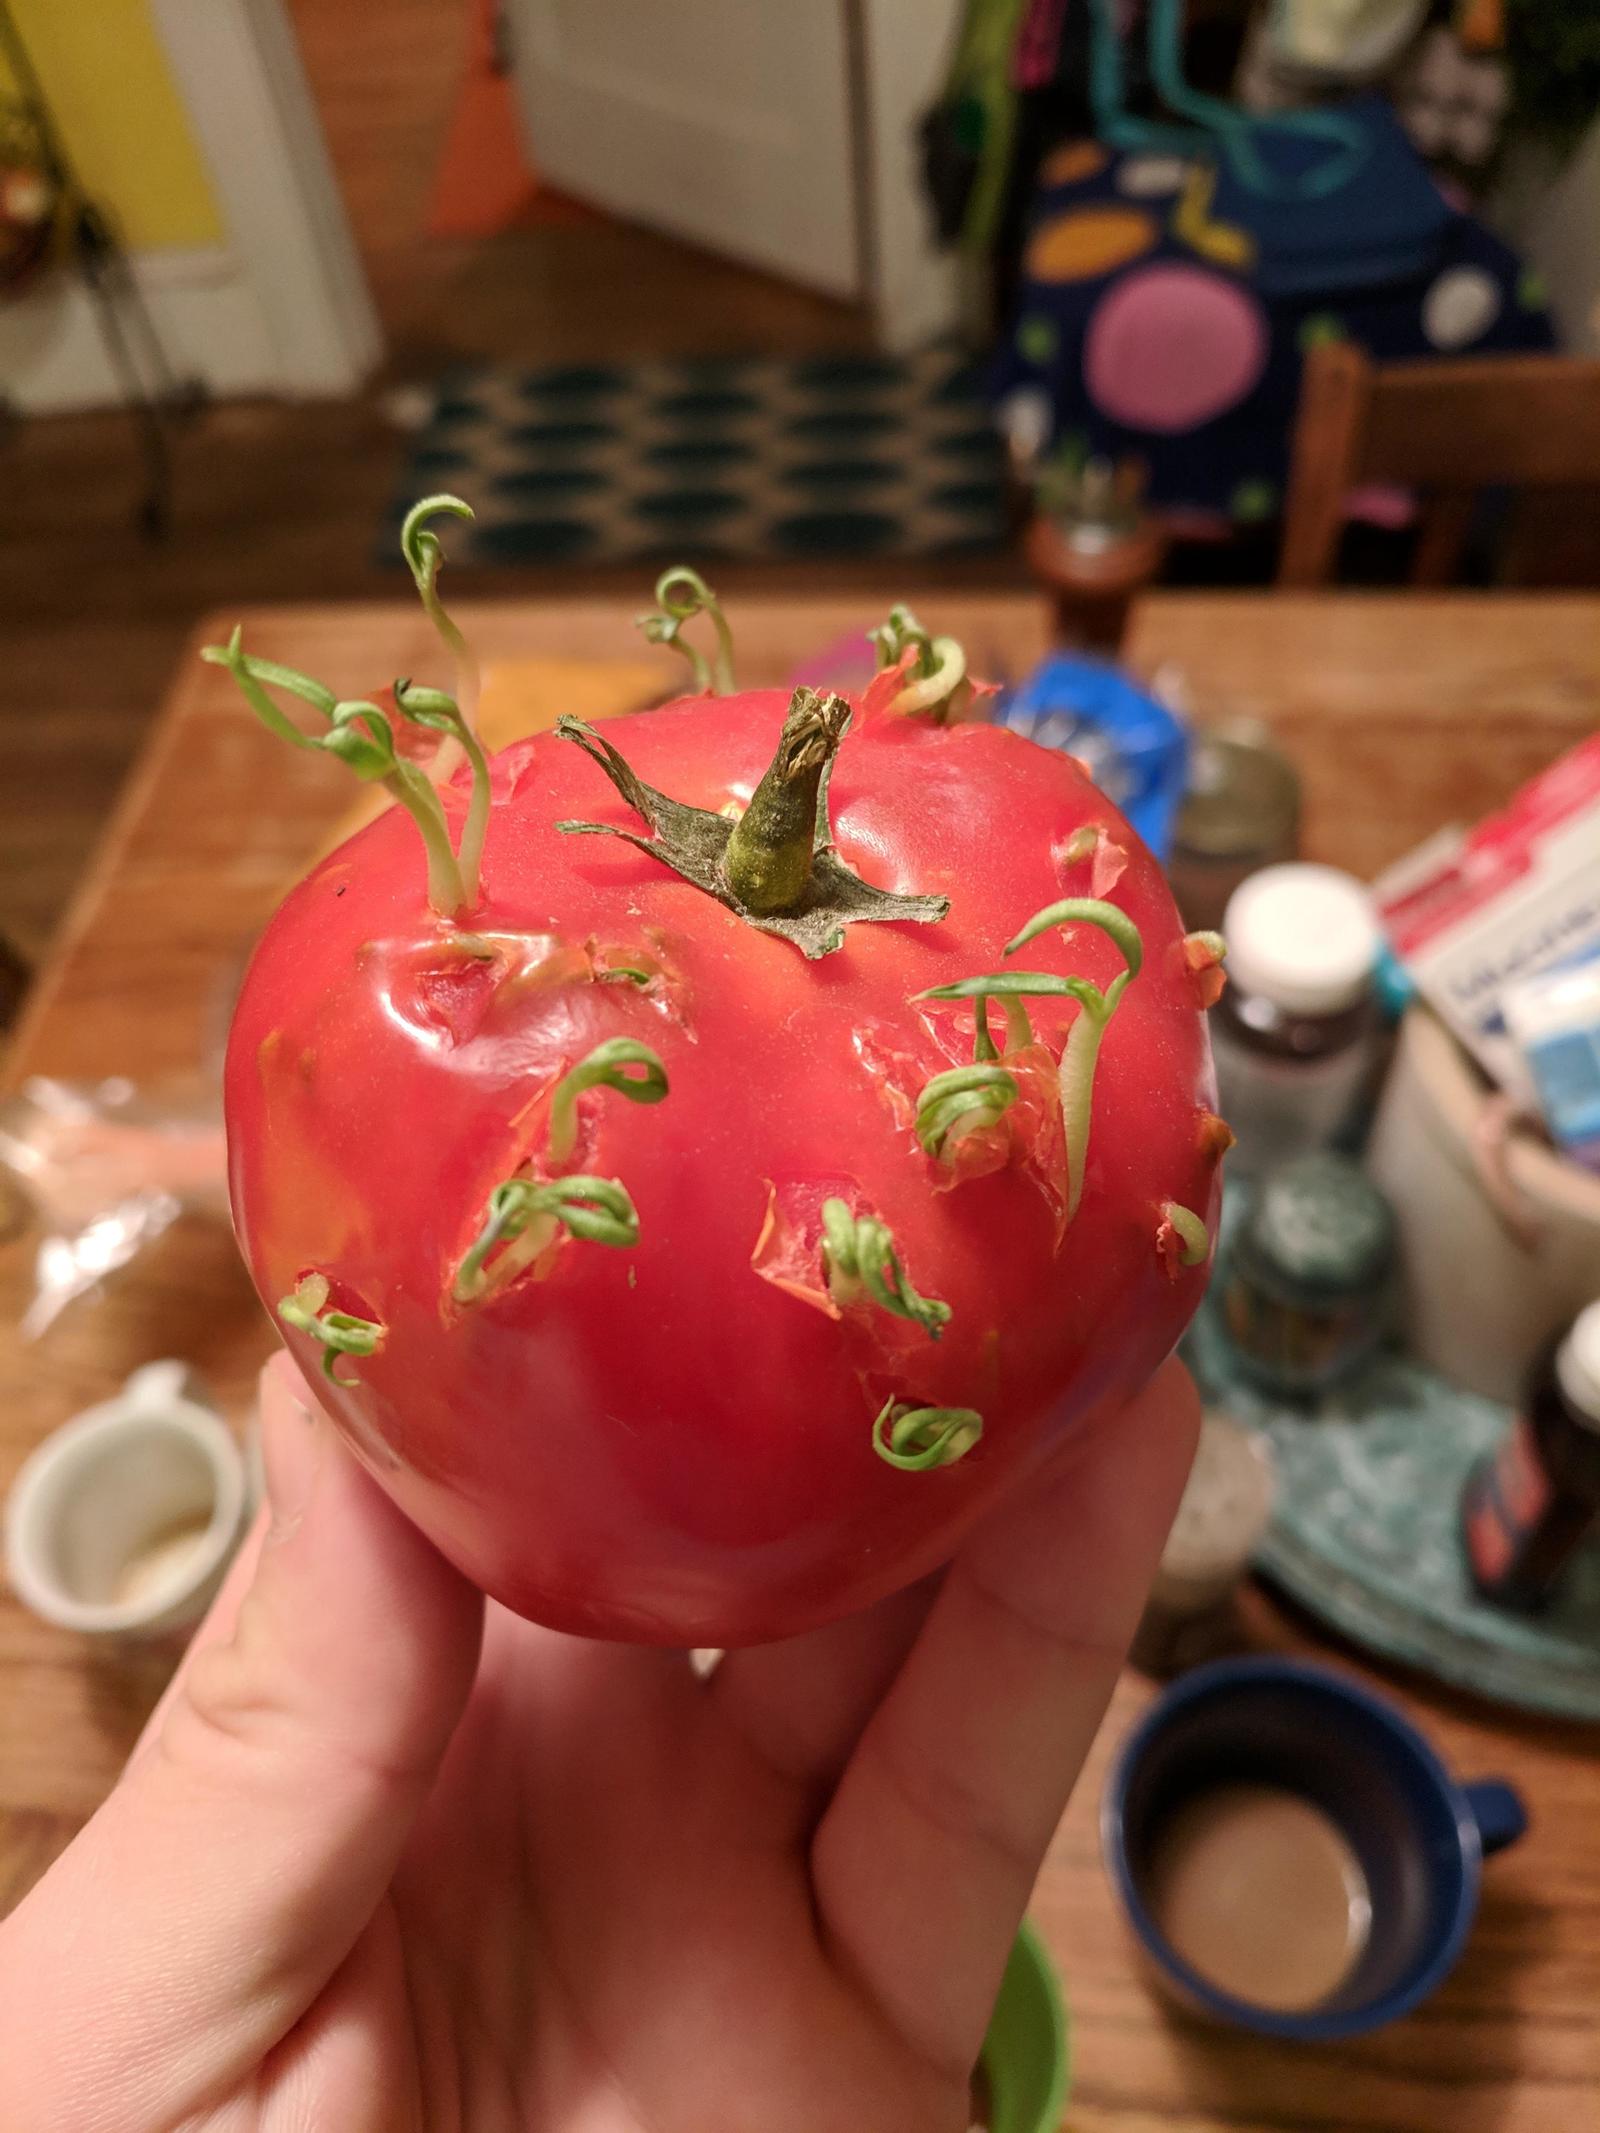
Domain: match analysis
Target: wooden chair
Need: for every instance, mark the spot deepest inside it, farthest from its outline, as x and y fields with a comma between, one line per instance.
x=1446, y=429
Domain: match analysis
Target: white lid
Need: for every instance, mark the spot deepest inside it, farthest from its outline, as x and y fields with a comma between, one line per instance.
x=1304, y=936
x=1578, y=1362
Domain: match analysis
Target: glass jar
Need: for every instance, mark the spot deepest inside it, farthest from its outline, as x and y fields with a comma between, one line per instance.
x=1305, y=1295
x=1241, y=812
x=1293, y=1035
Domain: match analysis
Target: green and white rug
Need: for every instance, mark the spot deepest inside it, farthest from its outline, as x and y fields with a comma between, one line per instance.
x=743, y=456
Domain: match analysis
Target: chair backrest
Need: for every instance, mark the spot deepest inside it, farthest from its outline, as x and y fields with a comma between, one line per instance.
x=1446, y=429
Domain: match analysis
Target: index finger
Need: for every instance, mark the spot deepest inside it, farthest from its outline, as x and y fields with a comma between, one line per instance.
x=926, y=1857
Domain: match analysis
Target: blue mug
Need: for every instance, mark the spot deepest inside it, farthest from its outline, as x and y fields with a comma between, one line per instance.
x=1420, y=1837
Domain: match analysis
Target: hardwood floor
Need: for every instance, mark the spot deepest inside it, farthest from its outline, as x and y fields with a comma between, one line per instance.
x=278, y=501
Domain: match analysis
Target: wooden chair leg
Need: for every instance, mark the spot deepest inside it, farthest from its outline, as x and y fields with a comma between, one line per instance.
x=1444, y=524
x=1335, y=390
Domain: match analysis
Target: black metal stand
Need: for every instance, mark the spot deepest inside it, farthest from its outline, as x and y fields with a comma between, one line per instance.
x=155, y=396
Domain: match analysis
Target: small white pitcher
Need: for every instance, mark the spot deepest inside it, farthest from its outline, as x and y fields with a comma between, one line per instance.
x=122, y=1522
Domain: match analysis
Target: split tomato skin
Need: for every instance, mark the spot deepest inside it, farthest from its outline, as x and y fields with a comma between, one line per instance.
x=674, y=1442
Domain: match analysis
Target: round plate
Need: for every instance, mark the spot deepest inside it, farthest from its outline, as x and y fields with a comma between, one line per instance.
x=1366, y=1535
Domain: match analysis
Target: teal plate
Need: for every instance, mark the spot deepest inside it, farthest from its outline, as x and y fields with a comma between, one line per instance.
x=1365, y=1533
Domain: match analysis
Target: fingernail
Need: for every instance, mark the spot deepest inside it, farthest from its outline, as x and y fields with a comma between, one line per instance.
x=292, y=1444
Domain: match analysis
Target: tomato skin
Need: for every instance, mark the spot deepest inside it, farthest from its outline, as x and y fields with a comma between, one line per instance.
x=658, y=1443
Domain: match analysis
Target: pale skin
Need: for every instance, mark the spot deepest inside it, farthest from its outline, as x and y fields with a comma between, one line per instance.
x=386, y=1861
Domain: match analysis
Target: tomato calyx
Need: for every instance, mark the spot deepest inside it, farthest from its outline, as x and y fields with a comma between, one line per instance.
x=775, y=867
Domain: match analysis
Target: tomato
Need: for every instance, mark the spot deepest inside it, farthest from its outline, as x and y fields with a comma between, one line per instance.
x=683, y=1283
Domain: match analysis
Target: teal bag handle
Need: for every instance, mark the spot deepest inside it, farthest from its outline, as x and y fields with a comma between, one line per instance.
x=1234, y=132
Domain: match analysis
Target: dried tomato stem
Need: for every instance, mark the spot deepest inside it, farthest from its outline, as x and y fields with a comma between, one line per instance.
x=768, y=862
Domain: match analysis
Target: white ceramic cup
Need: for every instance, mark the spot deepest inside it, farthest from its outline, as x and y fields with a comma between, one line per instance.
x=122, y=1522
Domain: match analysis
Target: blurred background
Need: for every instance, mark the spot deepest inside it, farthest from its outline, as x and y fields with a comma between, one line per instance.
x=268, y=265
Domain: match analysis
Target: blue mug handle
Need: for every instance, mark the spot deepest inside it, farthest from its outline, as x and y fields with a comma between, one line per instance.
x=1499, y=1811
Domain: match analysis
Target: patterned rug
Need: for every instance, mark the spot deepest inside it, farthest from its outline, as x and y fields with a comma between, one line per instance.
x=847, y=455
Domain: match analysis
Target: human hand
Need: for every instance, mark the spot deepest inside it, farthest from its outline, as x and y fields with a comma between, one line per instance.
x=386, y=1861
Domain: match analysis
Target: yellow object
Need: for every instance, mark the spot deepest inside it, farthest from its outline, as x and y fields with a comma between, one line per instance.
x=113, y=99
x=1223, y=243
x=525, y=696
x=1089, y=241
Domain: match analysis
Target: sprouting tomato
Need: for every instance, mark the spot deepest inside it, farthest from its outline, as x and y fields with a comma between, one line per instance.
x=674, y=1262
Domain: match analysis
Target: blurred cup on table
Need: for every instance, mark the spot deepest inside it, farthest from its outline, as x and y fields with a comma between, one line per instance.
x=1293, y=1856
x=122, y=1523
x=1226, y=1508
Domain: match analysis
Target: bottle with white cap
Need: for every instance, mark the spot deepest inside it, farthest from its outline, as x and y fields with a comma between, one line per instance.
x=1294, y=1033
x=1528, y=1507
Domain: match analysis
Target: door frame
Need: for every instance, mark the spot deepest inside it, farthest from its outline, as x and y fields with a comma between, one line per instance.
x=280, y=305
x=239, y=70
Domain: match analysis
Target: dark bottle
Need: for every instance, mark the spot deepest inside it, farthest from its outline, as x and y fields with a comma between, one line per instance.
x=1527, y=1507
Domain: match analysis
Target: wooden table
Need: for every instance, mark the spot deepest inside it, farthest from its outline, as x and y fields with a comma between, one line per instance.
x=1403, y=712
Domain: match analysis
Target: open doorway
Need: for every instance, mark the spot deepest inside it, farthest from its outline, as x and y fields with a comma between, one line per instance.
x=551, y=284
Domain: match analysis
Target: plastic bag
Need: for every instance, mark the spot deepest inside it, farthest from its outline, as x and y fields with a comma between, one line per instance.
x=106, y=1168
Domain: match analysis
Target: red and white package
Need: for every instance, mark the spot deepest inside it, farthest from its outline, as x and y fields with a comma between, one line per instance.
x=1470, y=913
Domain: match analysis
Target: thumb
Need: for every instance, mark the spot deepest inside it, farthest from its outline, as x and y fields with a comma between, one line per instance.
x=253, y=1835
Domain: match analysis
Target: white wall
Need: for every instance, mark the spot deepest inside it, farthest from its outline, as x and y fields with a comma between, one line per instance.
x=916, y=288
x=283, y=306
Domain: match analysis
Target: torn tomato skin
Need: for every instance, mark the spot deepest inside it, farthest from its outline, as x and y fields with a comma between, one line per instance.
x=657, y=1443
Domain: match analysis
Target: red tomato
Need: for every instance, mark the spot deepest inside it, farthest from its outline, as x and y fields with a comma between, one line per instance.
x=739, y=1425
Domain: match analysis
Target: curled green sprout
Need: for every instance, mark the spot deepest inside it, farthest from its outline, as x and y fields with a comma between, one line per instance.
x=526, y=1215
x=1194, y=1240
x=340, y=1332
x=960, y=1101
x=423, y=552
x=936, y=673
x=440, y=713
x=917, y=1438
x=1095, y=1009
x=859, y=1254
x=1075, y=1078
x=360, y=736
x=681, y=594
x=606, y=1067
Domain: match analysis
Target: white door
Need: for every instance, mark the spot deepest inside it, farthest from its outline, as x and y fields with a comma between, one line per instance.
x=729, y=122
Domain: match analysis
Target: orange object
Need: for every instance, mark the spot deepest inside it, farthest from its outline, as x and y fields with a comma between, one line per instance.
x=1089, y=241
x=1072, y=163
x=485, y=182
x=1481, y=25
